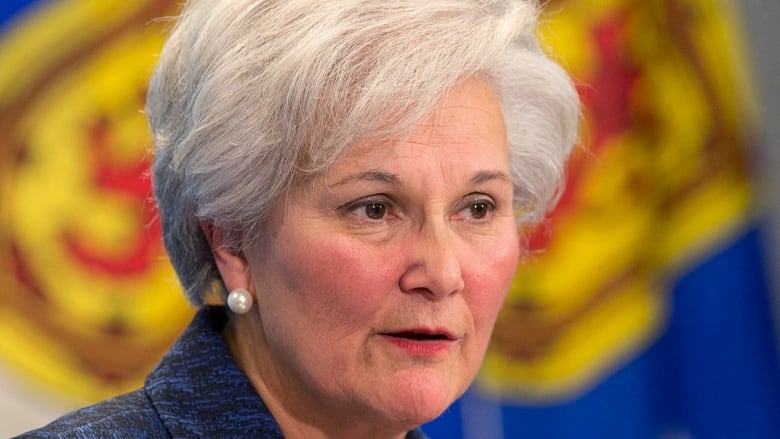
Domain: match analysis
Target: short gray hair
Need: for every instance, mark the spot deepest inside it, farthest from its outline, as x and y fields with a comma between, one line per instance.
x=251, y=96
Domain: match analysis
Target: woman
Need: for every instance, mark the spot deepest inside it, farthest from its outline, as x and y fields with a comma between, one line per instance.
x=340, y=185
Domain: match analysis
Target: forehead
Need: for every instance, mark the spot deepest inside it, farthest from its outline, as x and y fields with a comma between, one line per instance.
x=467, y=122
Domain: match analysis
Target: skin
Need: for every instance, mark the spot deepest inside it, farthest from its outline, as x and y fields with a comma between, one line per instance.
x=418, y=235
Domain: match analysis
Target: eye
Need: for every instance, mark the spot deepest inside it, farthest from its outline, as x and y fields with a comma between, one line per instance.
x=374, y=210
x=371, y=209
x=478, y=208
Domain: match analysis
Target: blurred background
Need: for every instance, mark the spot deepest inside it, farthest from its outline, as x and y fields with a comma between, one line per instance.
x=647, y=307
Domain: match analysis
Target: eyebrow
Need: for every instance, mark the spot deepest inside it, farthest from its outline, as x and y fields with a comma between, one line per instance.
x=370, y=175
x=485, y=176
x=387, y=177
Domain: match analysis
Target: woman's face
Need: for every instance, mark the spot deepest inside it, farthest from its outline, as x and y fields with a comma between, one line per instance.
x=378, y=286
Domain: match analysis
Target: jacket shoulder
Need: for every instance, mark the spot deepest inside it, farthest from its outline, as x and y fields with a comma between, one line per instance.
x=128, y=415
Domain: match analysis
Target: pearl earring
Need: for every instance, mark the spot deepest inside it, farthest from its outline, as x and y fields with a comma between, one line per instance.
x=239, y=301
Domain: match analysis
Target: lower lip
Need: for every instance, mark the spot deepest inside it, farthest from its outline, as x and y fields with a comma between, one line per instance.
x=420, y=348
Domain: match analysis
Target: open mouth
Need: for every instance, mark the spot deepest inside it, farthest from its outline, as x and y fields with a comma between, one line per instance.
x=420, y=336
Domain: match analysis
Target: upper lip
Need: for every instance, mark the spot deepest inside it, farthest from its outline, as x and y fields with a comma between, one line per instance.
x=422, y=333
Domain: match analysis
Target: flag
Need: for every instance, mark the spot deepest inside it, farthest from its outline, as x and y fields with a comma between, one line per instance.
x=88, y=302
x=642, y=310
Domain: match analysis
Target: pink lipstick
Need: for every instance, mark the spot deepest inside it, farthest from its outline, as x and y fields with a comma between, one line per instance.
x=421, y=341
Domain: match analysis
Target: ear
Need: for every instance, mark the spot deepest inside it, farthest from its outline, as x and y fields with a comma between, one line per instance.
x=232, y=265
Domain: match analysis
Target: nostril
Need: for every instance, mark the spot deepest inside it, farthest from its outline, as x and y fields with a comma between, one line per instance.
x=431, y=282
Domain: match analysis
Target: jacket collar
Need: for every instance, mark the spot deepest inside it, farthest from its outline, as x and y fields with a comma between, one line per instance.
x=199, y=391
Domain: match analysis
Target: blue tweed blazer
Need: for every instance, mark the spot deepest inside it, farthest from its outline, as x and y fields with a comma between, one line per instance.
x=197, y=391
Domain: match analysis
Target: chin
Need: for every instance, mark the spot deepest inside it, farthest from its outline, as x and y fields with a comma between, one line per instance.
x=420, y=398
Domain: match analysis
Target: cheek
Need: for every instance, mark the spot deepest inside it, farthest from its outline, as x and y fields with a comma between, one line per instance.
x=489, y=281
x=341, y=283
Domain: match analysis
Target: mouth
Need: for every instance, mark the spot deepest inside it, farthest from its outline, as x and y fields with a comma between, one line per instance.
x=421, y=335
x=422, y=342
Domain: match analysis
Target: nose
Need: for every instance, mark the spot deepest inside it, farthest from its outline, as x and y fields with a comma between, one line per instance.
x=433, y=263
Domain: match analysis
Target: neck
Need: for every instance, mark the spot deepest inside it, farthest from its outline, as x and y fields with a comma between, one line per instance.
x=297, y=414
